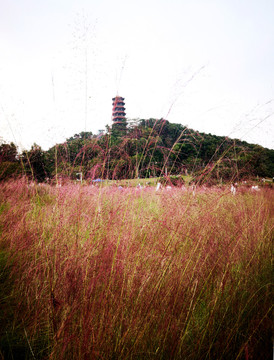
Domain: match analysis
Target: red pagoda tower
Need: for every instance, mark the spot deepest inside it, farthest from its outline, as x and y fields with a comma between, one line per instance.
x=118, y=110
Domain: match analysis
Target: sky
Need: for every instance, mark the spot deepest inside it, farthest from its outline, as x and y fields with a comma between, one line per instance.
x=207, y=64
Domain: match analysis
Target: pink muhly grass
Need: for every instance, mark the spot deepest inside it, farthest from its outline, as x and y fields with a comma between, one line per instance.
x=104, y=273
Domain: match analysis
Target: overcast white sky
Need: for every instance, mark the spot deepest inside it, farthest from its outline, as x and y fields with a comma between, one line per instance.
x=208, y=64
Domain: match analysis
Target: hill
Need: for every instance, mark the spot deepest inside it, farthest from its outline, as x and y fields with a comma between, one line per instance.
x=143, y=148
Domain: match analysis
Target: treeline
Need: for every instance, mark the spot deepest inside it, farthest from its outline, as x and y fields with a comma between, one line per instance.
x=140, y=148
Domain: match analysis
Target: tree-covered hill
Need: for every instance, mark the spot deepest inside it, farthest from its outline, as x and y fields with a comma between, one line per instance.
x=142, y=148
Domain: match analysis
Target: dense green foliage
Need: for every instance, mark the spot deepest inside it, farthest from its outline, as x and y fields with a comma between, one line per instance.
x=9, y=163
x=143, y=148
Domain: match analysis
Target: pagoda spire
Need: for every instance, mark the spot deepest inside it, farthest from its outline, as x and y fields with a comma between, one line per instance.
x=119, y=123
x=118, y=109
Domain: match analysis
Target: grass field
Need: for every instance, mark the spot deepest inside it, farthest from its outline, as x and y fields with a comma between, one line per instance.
x=104, y=273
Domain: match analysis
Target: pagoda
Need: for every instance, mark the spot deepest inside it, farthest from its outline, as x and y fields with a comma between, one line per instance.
x=118, y=110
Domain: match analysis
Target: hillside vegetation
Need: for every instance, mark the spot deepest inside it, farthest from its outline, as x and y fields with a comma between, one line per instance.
x=143, y=148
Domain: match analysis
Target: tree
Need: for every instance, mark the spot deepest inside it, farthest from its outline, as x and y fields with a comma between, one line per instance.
x=119, y=128
x=9, y=163
x=34, y=163
x=8, y=152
